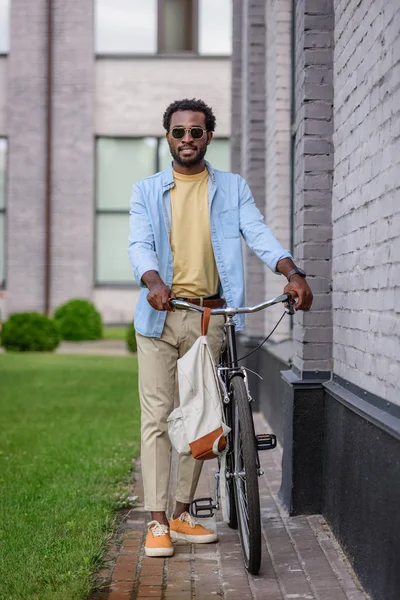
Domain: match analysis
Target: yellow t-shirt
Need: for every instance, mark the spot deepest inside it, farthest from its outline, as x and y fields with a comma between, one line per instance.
x=195, y=270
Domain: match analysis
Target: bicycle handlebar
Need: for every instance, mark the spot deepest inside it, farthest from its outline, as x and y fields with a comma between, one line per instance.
x=231, y=311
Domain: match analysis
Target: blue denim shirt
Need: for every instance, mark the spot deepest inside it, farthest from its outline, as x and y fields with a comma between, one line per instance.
x=232, y=213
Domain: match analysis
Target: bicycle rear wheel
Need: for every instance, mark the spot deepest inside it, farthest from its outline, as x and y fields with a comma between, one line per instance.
x=246, y=477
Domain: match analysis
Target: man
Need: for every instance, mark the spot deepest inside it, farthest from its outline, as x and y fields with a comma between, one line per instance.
x=185, y=229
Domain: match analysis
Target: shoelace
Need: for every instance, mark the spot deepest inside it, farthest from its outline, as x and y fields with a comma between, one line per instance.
x=157, y=529
x=187, y=518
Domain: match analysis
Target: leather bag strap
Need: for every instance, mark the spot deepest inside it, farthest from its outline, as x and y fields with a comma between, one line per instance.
x=205, y=320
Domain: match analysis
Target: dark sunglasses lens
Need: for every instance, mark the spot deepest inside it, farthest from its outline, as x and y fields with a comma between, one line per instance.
x=178, y=133
x=196, y=133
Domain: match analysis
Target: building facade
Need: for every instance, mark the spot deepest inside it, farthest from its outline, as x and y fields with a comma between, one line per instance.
x=83, y=87
x=315, y=129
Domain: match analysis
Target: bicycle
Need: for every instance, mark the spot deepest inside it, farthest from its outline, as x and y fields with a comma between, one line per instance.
x=237, y=479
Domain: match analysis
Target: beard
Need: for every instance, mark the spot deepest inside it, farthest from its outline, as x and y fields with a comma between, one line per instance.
x=188, y=162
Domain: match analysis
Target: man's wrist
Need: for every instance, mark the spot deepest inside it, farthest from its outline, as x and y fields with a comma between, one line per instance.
x=296, y=277
x=295, y=272
x=151, y=279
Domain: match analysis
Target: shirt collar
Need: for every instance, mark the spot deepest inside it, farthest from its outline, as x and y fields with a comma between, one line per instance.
x=168, y=178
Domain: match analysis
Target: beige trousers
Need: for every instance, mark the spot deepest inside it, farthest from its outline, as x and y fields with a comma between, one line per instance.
x=157, y=388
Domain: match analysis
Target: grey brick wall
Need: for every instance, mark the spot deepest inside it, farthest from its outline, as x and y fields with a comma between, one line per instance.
x=312, y=331
x=73, y=146
x=236, y=89
x=26, y=128
x=366, y=205
x=277, y=123
x=253, y=137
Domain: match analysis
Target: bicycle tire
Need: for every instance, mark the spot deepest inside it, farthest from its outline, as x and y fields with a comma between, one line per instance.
x=247, y=496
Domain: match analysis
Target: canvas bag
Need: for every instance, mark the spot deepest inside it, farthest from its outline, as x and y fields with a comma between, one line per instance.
x=197, y=426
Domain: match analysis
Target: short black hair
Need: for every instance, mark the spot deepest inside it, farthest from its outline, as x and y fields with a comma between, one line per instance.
x=193, y=105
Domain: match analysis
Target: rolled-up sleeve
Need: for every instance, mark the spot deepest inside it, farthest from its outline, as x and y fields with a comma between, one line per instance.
x=257, y=235
x=141, y=247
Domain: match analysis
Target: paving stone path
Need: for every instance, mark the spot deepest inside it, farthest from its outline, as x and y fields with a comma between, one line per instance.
x=301, y=558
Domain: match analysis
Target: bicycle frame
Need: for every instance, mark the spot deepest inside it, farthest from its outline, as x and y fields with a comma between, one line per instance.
x=229, y=312
x=239, y=465
x=231, y=368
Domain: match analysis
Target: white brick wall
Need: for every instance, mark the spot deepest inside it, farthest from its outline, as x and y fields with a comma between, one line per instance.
x=26, y=177
x=277, y=192
x=366, y=196
x=72, y=145
x=116, y=305
x=132, y=95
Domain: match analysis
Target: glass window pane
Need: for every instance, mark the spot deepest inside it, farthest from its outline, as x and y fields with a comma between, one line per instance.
x=164, y=155
x=4, y=26
x=215, y=26
x=218, y=154
x=3, y=158
x=126, y=26
x=2, y=250
x=177, y=25
x=120, y=163
x=112, y=262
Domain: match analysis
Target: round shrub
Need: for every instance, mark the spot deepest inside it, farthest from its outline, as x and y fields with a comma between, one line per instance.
x=29, y=332
x=78, y=320
x=131, y=338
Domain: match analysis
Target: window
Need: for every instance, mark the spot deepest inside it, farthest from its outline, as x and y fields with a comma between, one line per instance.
x=126, y=26
x=215, y=27
x=3, y=159
x=163, y=26
x=120, y=162
x=4, y=26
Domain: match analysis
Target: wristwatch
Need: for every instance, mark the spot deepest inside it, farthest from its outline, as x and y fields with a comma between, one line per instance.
x=296, y=271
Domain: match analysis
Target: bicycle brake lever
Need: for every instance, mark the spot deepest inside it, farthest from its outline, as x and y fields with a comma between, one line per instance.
x=290, y=306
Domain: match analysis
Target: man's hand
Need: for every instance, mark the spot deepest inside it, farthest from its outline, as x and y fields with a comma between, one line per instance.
x=159, y=297
x=299, y=288
x=159, y=294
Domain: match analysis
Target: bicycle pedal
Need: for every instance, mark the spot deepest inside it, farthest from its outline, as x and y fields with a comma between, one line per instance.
x=266, y=441
x=202, y=508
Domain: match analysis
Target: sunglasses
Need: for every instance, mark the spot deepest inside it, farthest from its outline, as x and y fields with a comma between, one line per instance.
x=195, y=132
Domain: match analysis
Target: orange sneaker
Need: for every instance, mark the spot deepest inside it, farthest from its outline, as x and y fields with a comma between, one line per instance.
x=186, y=528
x=158, y=540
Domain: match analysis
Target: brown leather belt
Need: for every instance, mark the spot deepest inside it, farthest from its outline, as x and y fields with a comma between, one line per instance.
x=216, y=303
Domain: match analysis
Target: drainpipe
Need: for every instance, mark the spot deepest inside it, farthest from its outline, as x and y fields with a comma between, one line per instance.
x=292, y=123
x=49, y=161
x=292, y=127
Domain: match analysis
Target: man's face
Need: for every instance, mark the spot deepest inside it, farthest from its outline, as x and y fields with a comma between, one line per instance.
x=187, y=151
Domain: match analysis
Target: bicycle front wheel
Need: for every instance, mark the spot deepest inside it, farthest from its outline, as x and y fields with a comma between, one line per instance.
x=229, y=497
x=246, y=477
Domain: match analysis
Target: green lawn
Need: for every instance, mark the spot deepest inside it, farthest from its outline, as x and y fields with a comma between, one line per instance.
x=69, y=429
x=115, y=332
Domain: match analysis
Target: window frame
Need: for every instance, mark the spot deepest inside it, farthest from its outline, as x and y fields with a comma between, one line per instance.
x=159, y=52
x=3, y=211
